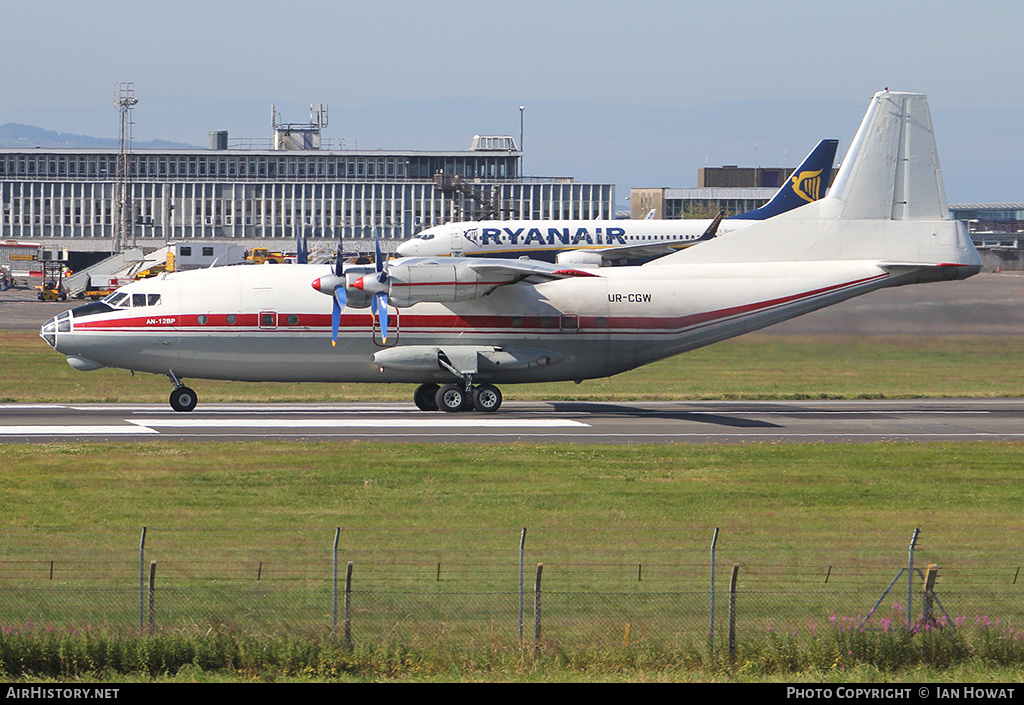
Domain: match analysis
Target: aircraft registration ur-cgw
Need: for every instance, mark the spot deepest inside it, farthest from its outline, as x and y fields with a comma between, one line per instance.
x=459, y=327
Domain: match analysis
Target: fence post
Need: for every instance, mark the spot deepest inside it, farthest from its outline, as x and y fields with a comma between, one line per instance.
x=732, y=610
x=711, y=629
x=929, y=594
x=910, y=580
x=152, y=596
x=348, y=606
x=536, y=609
x=522, y=545
x=334, y=589
x=142, y=580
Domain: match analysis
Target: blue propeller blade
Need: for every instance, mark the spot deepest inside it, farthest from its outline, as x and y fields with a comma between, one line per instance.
x=340, y=298
x=379, y=305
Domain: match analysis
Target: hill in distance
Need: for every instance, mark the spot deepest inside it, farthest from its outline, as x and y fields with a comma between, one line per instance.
x=14, y=135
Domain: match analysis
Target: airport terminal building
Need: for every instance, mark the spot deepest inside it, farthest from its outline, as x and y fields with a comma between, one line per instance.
x=733, y=189
x=75, y=197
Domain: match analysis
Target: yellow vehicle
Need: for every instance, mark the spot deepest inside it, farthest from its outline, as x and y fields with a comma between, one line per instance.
x=259, y=255
x=101, y=285
x=166, y=266
x=52, y=288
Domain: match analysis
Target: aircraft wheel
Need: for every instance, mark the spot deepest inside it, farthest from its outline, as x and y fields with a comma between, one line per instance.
x=486, y=398
x=425, y=397
x=451, y=397
x=183, y=399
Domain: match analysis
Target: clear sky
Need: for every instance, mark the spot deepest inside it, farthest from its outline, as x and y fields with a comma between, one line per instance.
x=638, y=93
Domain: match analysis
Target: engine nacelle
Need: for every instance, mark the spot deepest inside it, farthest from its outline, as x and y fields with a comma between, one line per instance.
x=440, y=282
x=583, y=258
x=355, y=297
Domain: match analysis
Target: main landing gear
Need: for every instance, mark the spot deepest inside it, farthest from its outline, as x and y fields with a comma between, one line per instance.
x=182, y=398
x=457, y=397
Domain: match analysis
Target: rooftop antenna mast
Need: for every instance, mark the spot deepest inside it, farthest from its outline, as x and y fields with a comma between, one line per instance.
x=124, y=234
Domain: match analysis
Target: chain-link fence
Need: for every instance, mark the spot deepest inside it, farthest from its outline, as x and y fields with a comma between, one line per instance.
x=565, y=589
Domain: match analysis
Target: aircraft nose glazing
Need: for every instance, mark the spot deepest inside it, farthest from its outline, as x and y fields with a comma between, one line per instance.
x=61, y=323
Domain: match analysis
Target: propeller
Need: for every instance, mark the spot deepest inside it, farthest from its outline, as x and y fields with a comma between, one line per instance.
x=379, y=303
x=379, y=307
x=376, y=287
x=373, y=284
x=340, y=297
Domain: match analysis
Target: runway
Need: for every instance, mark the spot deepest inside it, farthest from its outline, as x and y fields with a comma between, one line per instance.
x=859, y=421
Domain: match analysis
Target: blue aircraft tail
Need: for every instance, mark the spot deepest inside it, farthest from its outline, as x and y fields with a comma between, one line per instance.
x=807, y=184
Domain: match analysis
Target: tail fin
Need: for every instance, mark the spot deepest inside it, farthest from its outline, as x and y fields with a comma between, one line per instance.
x=892, y=169
x=887, y=205
x=807, y=184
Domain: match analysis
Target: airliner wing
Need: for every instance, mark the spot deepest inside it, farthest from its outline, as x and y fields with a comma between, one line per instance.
x=645, y=250
x=521, y=270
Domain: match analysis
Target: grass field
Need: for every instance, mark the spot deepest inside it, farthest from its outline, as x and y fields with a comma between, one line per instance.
x=596, y=516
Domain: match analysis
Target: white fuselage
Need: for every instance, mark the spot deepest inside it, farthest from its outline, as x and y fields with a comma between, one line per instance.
x=268, y=324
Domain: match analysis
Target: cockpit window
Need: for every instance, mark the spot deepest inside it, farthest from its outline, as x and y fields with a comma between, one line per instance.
x=123, y=300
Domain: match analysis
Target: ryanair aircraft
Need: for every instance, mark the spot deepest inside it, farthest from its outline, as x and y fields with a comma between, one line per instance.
x=602, y=242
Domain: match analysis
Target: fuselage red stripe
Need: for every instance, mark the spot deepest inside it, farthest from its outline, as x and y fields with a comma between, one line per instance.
x=433, y=322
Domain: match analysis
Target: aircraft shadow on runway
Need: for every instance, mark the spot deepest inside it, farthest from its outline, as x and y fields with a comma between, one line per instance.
x=635, y=412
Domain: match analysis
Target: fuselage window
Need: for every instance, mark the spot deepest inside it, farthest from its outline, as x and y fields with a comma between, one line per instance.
x=202, y=320
x=292, y=319
x=231, y=319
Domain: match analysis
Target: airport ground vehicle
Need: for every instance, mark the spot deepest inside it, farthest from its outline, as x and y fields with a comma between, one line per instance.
x=261, y=255
x=52, y=288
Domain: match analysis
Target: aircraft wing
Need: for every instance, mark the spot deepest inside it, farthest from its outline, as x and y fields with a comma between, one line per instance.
x=521, y=270
x=645, y=250
x=450, y=279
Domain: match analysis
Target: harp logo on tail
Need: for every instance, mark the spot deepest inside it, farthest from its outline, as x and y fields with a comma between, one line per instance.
x=807, y=185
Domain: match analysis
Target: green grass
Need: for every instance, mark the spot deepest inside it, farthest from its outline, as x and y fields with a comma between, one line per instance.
x=377, y=486
x=752, y=367
x=832, y=657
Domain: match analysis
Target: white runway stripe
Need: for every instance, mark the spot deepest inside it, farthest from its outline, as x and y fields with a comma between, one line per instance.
x=442, y=421
x=72, y=430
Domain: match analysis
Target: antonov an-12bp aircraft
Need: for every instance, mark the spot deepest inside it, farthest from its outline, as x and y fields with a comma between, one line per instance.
x=600, y=242
x=460, y=326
